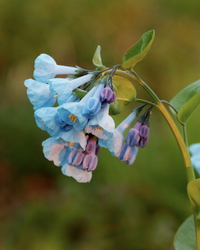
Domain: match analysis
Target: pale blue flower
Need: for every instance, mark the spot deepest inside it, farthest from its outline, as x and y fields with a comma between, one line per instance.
x=39, y=94
x=195, y=151
x=102, y=125
x=63, y=88
x=56, y=152
x=76, y=139
x=46, y=68
x=77, y=173
x=70, y=112
x=48, y=119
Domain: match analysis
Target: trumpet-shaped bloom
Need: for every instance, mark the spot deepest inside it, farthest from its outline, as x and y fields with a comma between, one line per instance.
x=56, y=152
x=128, y=154
x=71, y=112
x=195, y=151
x=63, y=88
x=48, y=119
x=102, y=125
x=77, y=173
x=46, y=68
x=39, y=94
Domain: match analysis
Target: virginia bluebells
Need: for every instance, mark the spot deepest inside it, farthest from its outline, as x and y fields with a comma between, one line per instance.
x=75, y=112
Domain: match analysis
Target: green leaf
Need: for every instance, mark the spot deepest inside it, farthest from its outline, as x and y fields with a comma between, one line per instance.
x=185, y=238
x=125, y=93
x=97, y=57
x=138, y=51
x=186, y=101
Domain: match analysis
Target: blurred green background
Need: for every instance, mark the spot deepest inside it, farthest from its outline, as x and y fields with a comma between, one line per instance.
x=136, y=207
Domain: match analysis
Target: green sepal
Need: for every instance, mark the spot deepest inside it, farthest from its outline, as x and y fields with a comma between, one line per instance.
x=97, y=57
x=187, y=101
x=185, y=238
x=138, y=51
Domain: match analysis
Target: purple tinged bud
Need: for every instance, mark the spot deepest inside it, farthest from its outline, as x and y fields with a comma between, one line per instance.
x=144, y=131
x=91, y=108
x=128, y=154
x=143, y=142
x=90, y=162
x=133, y=137
x=107, y=96
x=75, y=158
x=97, y=149
x=91, y=147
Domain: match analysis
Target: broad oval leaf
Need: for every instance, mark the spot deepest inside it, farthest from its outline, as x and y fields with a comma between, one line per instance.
x=97, y=57
x=186, y=101
x=125, y=93
x=138, y=51
x=185, y=238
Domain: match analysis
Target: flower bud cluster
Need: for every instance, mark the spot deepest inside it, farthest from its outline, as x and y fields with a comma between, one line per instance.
x=79, y=126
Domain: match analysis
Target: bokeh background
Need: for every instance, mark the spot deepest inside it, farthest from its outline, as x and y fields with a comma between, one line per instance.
x=136, y=207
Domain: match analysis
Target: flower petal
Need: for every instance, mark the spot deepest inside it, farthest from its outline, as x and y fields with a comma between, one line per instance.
x=55, y=152
x=77, y=173
x=39, y=94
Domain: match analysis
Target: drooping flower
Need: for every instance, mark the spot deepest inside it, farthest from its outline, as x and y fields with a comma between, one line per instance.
x=71, y=112
x=63, y=88
x=56, y=152
x=195, y=158
x=39, y=94
x=46, y=68
x=102, y=125
x=77, y=173
x=48, y=119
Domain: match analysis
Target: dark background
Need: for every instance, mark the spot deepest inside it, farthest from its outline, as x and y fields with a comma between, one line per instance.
x=135, y=207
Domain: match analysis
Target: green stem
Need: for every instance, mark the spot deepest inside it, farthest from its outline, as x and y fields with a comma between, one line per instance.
x=183, y=147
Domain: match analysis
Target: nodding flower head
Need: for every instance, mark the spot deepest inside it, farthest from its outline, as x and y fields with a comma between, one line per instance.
x=74, y=110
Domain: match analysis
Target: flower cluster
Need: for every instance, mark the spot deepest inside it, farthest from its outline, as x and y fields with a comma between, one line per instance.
x=80, y=123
